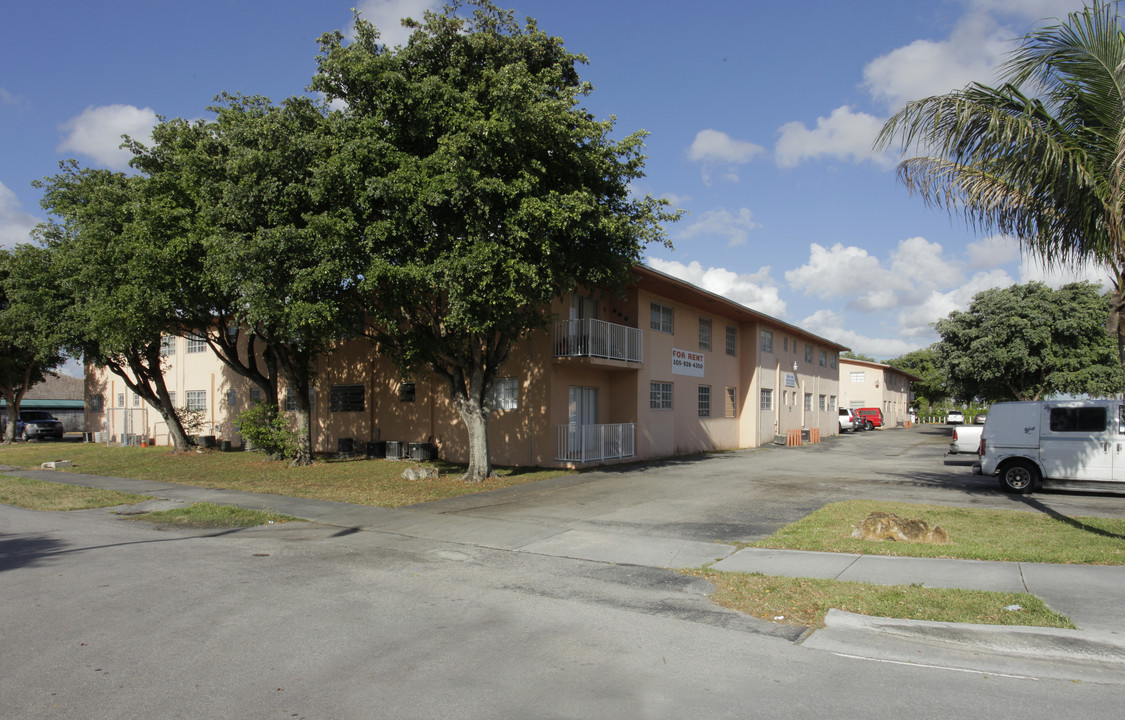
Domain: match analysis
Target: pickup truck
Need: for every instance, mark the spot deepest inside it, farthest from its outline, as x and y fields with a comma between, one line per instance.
x=966, y=439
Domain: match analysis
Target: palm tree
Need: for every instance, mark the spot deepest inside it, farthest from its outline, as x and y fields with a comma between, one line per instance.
x=1041, y=157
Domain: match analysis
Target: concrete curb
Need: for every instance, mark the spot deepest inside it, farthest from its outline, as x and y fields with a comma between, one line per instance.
x=1049, y=644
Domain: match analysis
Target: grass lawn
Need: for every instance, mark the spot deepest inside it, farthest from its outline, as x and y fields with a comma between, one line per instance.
x=359, y=481
x=210, y=515
x=56, y=497
x=805, y=601
x=1009, y=535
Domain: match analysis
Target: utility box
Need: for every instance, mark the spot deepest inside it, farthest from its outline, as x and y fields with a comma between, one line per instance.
x=422, y=451
x=395, y=450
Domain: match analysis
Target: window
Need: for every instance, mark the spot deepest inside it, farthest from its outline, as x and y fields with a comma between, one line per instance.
x=767, y=341
x=196, y=344
x=136, y=400
x=732, y=340
x=822, y=403
x=767, y=400
x=704, y=401
x=661, y=318
x=196, y=399
x=1078, y=419
x=823, y=358
x=660, y=396
x=808, y=401
x=120, y=399
x=167, y=345
x=834, y=358
x=731, y=407
x=290, y=400
x=172, y=397
x=255, y=395
x=785, y=343
x=831, y=403
x=858, y=376
x=97, y=403
x=406, y=392
x=232, y=398
x=808, y=353
x=704, y=333
x=505, y=394
x=345, y=398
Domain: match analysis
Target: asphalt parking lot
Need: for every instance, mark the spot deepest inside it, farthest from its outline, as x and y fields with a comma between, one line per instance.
x=746, y=495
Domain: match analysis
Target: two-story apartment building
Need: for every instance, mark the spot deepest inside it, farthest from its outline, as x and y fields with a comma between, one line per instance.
x=871, y=384
x=665, y=369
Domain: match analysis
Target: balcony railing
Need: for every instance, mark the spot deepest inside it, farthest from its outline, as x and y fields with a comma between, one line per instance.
x=596, y=338
x=591, y=443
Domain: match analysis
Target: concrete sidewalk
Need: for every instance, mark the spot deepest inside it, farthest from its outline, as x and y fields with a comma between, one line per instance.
x=1092, y=596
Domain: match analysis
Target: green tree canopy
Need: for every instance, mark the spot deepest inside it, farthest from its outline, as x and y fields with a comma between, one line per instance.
x=931, y=388
x=486, y=191
x=1039, y=157
x=29, y=345
x=1027, y=342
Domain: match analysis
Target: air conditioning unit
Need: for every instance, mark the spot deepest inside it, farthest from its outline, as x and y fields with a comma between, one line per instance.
x=422, y=451
x=376, y=448
x=395, y=450
x=345, y=446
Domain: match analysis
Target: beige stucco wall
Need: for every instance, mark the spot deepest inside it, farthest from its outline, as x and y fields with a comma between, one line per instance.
x=882, y=386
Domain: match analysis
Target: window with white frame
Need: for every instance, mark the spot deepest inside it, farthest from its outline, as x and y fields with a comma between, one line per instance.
x=704, y=401
x=120, y=399
x=767, y=341
x=136, y=400
x=822, y=403
x=704, y=333
x=732, y=341
x=858, y=376
x=808, y=402
x=661, y=319
x=345, y=398
x=504, y=394
x=766, y=402
x=167, y=345
x=730, y=408
x=660, y=395
x=195, y=344
x=195, y=399
x=831, y=403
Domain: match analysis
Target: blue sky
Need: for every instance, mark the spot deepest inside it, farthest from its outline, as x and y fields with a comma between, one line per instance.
x=761, y=117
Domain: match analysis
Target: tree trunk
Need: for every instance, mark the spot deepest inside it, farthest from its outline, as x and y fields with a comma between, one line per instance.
x=475, y=417
x=13, y=413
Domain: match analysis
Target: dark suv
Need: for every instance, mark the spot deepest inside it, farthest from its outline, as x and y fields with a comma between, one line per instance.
x=38, y=424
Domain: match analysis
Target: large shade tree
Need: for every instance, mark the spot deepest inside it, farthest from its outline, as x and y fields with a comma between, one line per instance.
x=1028, y=342
x=487, y=191
x=29, y=345
x=1040, y=156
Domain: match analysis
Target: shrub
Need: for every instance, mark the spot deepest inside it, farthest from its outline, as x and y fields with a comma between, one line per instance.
x=265, y=429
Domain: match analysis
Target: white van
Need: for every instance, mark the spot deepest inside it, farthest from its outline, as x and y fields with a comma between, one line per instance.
x=1056, y=443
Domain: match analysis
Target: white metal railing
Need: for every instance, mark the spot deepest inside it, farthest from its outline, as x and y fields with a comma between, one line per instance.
x=596, y=338
x=590, y=443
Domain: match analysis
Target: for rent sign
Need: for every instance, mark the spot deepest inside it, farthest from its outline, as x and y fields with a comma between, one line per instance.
x=687, y=363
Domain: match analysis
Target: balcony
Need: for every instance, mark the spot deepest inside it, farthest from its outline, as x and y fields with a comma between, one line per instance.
x=598, y=339
x=593, y=443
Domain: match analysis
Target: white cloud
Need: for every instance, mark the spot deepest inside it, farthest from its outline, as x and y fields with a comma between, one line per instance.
x=756, y=290
x=1032, y=269
x=831, y=325
x=717, y=151
x=15, y=223
x=843, y=135
x=720, y=222
x=387, y=16
x=836, y=272
x=992, y=251
x=97, y=132
x=8, y=98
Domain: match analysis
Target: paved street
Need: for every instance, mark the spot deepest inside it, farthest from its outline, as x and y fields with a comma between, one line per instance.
x=106, y=618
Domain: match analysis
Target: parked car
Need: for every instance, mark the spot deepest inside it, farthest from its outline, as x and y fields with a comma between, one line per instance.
x=955, y=417
x=870, y=417
x=966, y=439
x=980, y=419
x=849, y=421
x=1060, y=443
x=37, y=424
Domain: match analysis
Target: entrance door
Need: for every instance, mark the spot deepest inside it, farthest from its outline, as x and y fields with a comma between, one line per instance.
x=583, y=405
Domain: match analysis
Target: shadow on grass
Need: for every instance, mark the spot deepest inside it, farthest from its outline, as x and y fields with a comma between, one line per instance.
x=1074, y=523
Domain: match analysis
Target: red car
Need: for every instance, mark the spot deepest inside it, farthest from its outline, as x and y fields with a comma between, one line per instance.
x=871, y=417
